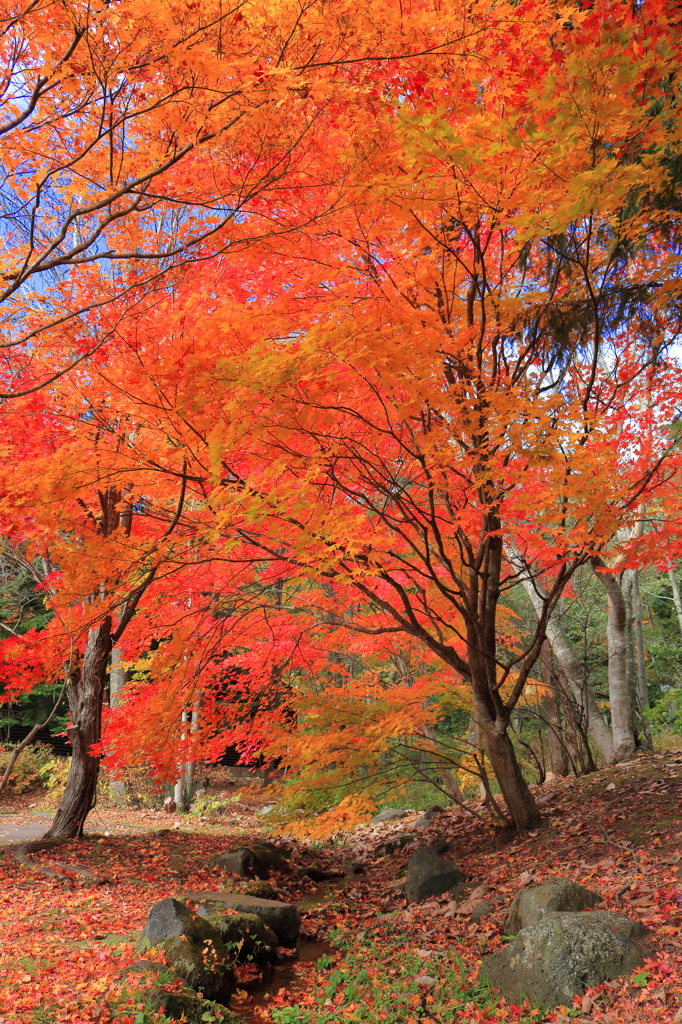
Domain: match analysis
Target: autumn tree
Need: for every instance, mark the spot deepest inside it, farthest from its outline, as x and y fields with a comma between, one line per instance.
x=464, y=367
x=434, y=348
x=138, y=140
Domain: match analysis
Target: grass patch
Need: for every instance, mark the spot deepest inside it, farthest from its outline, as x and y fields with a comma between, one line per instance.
x=373, y=978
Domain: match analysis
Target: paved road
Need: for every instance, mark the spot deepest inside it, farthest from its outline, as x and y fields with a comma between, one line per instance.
x=22, y=832
x=22, y=829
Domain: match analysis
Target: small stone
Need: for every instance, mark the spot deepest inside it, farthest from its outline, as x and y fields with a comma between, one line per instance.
x=392, y=845
x=426, y=980
x=433, y=811
x=388, y=814
x=482, y=909
x=316, y=874
x=257, y=860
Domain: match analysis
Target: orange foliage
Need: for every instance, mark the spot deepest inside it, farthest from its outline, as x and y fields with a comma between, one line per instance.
x=448, y=271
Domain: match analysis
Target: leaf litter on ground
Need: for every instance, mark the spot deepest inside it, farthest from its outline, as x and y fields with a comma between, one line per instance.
x=67, y=940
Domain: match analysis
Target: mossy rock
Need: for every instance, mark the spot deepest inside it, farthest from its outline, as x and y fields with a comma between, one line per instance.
x=255, y=888
x=188, y=1006
x=258, y=859
x=564, y=954
x=192, y=947
x=246, y=936
x=553, y=896
x=207, y=973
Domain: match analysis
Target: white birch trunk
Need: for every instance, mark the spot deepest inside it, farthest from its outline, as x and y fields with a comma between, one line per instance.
x=117, y=678
x=571, y=667
x=622, y=720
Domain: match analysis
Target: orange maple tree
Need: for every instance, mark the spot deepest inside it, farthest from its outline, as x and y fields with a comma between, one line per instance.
x=437, y=349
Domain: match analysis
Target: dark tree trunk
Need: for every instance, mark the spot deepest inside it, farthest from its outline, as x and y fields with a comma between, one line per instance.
x=85, y=694
x=520, y=802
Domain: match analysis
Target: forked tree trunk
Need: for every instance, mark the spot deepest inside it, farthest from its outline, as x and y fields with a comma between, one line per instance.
x=85, y=695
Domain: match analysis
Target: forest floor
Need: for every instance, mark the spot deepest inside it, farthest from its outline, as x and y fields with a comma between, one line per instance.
x=66, y=939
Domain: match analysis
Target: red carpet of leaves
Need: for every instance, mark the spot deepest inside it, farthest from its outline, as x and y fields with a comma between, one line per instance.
x=64, y=942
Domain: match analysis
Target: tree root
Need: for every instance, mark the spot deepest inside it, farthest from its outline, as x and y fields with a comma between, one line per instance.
x=42, y=845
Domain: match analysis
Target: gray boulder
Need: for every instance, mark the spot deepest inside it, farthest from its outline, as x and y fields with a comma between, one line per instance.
x=388, y=814
x=192, y=947
x=482, y=909
x=565, y=953
x=283, y=918
x=257, y=860
x=429, y=874
x=246, y=936
x=558, y=894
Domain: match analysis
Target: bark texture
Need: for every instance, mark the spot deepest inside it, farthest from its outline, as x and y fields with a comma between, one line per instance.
x=558, y=752
x=574, y=674
x=520, y=802
x=85, y=695
x=622, y=719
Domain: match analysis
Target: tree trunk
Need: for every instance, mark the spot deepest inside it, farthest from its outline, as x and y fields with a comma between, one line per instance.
x=558, y=754
x=676, y=596
x=622, y=721
x=117, y=678
x=180, y=793
x=521, y=805
x=85, y=694
x=642, y=689
x=574, y=674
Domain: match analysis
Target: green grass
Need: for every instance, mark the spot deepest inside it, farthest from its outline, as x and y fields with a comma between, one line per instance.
x=373, y=978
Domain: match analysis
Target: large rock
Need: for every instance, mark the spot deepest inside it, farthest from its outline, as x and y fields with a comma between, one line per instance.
x=188, y=1006
x=192, y=947
x=283, y=918
x=388, y=814
x=429, y=874
x=177, y=1003
x=558, y=894
x=565, y=953
x=257, y=860
x=246, y=936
